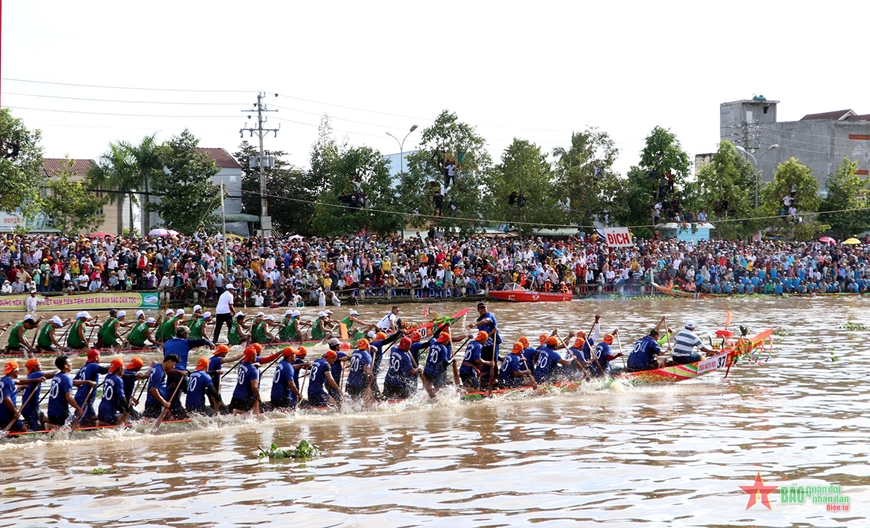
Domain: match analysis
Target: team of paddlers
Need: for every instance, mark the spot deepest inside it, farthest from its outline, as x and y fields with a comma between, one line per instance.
x=72, y=401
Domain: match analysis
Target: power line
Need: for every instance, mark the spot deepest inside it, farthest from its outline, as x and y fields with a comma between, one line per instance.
x=121, y=115
x=126, y=87
x=122, y=101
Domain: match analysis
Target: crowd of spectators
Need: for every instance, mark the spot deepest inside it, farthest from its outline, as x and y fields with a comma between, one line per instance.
x=293, y=271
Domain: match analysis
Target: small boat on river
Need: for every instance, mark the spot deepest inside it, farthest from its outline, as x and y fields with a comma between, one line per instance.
x=514, y=293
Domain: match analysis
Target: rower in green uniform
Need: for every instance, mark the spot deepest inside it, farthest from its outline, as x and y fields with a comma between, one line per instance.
x=357, y=334
x=162, y=325
x=291, y=331
x=110, y=334
x=17, y=337
x=317, y=330
x=236, y=334
x=141, y=334
x=113, y=315
x=260, y=332
x=77, y=340
x=46, y=340
x=197, y=325
x=197, y=314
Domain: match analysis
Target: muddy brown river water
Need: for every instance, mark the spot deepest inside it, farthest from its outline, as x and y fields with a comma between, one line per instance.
x=666, y=455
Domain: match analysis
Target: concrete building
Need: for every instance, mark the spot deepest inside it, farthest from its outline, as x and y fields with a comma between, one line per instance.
x=820, y=141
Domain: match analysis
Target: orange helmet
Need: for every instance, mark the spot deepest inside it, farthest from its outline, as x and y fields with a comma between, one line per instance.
x=608, y=338
x=517, y=349
x=481, y=336
x=443, y=337
x=552, y=341
x=362, y=344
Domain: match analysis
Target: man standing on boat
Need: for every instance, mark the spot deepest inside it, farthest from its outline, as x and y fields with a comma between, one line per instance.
x=684, y=346
x=486, y=322
x=180, y=346
x=224, y=312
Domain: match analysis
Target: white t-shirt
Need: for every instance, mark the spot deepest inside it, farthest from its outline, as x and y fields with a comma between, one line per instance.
x=224, y=302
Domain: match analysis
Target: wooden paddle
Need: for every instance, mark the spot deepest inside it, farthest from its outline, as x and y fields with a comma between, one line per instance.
x=165, y=410
x=622, y=356
x=583, y=370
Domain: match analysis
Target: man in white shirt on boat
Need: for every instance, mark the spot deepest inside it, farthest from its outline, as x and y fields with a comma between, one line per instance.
x=685, y=343
x=389, y=321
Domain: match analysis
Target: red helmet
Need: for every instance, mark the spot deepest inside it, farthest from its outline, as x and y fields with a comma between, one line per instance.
x=405, y=343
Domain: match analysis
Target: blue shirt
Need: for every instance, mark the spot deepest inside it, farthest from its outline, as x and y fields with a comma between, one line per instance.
x=247, y=373
x=156, y=379
x=436, y=363
x=284, y=373
x=61, y=385
x=90, y=372
x=7, y=385
x=113, y=399
x=643, y=354
x=337, y=368
x=181, y=348
x=378, y=356
x=416, y=348
x=33, y=404
x=197, y=386
x=510, y=365
x=547, y=360
x=489, y=327
x=602, y=366
x=472, y=355
x=129, y=379
x=359, y=360
x=399, y=371
x=318, y=377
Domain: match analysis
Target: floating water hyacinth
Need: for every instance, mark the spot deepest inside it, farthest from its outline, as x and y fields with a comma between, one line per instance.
x=303, y=450
x=848, y=325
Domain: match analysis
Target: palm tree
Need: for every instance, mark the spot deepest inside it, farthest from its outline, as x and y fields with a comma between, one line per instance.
x=127, y=169
x=115, y=172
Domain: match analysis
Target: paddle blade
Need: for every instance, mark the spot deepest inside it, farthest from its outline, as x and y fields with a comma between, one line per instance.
x=344, y=332
x=727, y=319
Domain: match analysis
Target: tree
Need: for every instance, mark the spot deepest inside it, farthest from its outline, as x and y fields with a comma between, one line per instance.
x=360, y=182
x=793, y=179
x=725, y=190
x=522, y=188
x=847, y=195
x=72, y=207
x=585, y=177
x=21, y=174
x=188, y=197
x=660, y=177
x=283, y=181
x=447, y=140
x=126, y=170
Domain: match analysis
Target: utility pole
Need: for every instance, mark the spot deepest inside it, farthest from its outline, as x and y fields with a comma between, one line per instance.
x=265, y=219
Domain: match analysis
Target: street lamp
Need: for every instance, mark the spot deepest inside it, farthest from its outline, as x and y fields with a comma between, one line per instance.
x=402, y=147
x=755, y=162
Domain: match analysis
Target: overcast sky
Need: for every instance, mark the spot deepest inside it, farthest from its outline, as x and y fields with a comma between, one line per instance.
x=532, y=70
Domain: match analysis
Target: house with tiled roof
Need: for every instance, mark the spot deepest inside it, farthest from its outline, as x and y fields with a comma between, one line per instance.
x=51, y=167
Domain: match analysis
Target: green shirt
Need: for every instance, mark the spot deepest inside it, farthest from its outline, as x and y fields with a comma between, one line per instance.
x=317, y=329
x=288, y=331
x=258, y=334
x=233, y=336
x=196, y=328
x=137, y=335
x=14, y=342
x=44, y=338
x=73, y=340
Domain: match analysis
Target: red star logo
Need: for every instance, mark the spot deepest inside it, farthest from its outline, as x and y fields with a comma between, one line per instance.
x=759, y=492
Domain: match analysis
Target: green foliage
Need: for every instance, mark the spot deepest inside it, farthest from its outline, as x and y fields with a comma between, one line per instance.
x=589, y=193
x=634, y=201
x=636, y=197
x=847, y=190
x=360, y=172
x=302, y=451
x=726, y=190
x=523, y=175
x=450, y=138
x=100, y=471
x=72, y=207
x=282, y=180
x=188, y=196
x=848, y=325
x=788, y=174
x=663, y=153
x=21, y=174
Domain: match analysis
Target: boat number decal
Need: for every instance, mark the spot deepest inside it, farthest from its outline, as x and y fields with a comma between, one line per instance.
x=714, y=363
